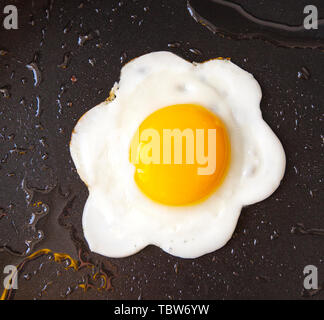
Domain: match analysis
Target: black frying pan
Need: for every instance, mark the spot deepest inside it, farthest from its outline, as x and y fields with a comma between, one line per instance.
x=62, y=61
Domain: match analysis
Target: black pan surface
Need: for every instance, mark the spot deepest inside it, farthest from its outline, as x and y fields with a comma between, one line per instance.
x=61, y=62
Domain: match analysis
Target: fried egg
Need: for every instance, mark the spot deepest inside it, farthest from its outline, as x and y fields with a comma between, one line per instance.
x=173, y=155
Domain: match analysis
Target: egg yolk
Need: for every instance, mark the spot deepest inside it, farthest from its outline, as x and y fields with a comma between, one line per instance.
x=181, y=154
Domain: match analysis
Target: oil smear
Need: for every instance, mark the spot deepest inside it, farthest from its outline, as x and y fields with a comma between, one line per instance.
x=58, y=257
x=301, y=229
x=215, y=15
x=55, y=237
x=95, y=276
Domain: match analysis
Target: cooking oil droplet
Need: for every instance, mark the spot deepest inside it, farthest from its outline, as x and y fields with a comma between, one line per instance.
x=31, y=20
x=47, y=14
x=18, y=151
x=274, y=235
x=74, y=79
x=5, y=91
x=304, y=74
x=66, y=61
x=301, y=229
x=27, y=276
x=3, y=52
x=42, y=142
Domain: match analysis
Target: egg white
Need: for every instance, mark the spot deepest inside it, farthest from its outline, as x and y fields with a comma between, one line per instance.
x=118, y=219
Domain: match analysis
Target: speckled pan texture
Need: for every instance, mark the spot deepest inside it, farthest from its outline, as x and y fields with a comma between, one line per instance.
x=60, y=63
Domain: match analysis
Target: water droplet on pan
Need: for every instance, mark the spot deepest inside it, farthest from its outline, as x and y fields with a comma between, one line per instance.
x=195, y=51
x=174, y=45
x=84, y=38
x=36, y=73
x=38, y=107
x=123, y=57
x=68, y=27
x=92, y=61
